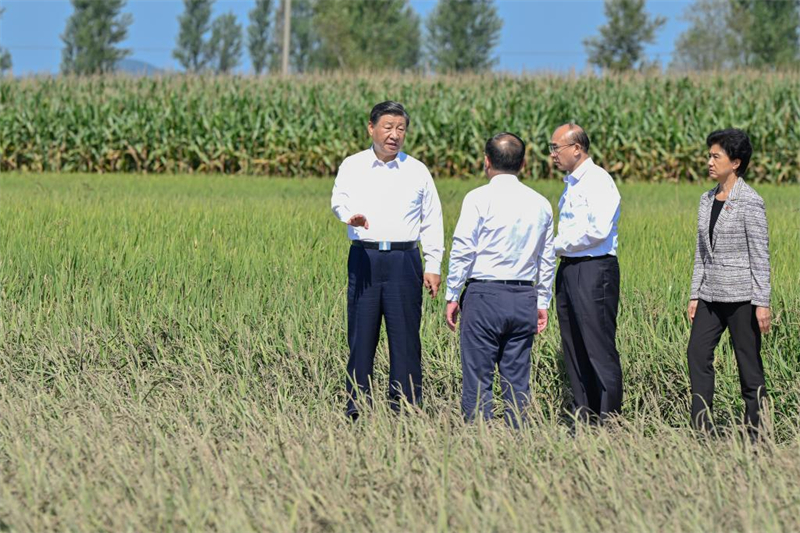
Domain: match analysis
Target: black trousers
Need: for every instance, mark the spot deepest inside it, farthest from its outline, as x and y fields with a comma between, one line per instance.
x=710, y=321
x=587, y=300
x=384, y=285
x=498, y=323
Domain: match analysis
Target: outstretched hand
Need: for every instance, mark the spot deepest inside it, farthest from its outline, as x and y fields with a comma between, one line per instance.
x=451, y=314
x=358, y=220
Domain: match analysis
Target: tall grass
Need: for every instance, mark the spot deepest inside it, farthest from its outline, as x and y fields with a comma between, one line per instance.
x=643, y=128
x=173, y=350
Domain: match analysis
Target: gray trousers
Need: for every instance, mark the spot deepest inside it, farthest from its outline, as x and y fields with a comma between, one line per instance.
x=498, y=323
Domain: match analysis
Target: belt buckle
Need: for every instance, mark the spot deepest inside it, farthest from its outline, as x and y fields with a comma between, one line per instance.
x=384, y=246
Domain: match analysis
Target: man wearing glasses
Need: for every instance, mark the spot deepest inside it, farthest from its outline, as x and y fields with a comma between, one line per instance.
x=587, y=280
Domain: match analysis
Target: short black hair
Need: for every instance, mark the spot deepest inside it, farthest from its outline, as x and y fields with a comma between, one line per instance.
x=736, y=145
x=388, y=107
x=506, y=152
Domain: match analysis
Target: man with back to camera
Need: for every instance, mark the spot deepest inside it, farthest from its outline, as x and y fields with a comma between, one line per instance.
x=587, y=280
x=390, y=205
x=503, y=250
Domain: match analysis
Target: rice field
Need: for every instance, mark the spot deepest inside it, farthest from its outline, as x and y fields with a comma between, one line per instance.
x=173, y=351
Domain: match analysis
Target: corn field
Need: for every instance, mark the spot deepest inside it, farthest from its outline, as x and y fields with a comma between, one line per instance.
x=642, y=128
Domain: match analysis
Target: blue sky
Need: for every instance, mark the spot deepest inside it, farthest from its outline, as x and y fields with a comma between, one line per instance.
x=538, y=35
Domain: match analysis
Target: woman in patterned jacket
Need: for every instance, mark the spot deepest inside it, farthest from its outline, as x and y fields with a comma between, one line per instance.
x=731, y=280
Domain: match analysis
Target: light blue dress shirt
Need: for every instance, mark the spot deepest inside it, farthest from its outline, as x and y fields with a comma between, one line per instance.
x=588, y=213
x=505, y=231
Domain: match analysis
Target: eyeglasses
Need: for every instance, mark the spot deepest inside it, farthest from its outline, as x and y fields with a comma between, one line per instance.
x=554, y=148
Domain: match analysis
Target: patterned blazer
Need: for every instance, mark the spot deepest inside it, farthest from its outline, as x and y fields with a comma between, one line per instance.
x=735, y=266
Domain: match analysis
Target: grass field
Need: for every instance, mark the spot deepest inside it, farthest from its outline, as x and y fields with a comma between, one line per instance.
x=172, y=356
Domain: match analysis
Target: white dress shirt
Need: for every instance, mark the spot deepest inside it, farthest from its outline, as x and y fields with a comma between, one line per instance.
x=398, y=199
x=505, y=231
x=588, y=213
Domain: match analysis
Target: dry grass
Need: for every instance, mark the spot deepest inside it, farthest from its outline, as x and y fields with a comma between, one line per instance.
x=172, y=355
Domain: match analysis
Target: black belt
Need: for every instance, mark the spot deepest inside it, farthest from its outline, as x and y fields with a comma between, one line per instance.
x=573, y=260
x=503, y=281
x=385, y=246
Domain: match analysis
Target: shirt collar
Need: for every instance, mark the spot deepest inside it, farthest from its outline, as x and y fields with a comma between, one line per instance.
x=394, y=163
x=734, y=191
x=579, y=172
x=504, y=179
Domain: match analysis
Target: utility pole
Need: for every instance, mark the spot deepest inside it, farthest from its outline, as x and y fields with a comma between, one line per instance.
x=287, y=35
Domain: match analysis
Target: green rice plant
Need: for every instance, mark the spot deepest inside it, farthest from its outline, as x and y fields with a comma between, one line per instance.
x=173, y=351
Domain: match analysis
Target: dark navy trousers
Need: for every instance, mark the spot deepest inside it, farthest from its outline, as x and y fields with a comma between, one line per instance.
x=384, y=285
x=498, y=323
x=587, y=300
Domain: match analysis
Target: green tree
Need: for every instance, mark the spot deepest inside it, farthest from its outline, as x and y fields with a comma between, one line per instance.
x=258, y=35
x=739, y=33
x=193, y=51
x=304, y=41
x=5, y=56
x=770, y=31
x=620, y=45
x=711, y=42
x=226, y=43
x=365, y=34
x=461, y=35
x=93, y=32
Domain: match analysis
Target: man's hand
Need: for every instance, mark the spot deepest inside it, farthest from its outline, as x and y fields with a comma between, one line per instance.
x=541, y=322
x=692, y=310
x=358, y=220
x=452, y=315
x=764, y=319
x=432, y=282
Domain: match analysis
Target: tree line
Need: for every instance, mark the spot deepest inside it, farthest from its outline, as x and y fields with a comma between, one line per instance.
x=722, y=35
x=460, y=35
x=457, y=36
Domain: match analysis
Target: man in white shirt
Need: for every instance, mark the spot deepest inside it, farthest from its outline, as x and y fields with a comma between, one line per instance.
x=390, y=205
x=503, y=250
x=587, y=281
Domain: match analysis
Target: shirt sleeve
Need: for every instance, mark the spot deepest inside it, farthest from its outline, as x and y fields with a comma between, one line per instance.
x=464, y=250
x=699, y=267
x=341, y=197
x=547, y=266
x=758, y=248
x=431, y=230
x=597, y=221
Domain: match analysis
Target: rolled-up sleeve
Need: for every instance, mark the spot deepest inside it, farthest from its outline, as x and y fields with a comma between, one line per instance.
x=431, y=230
x=758, y=248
